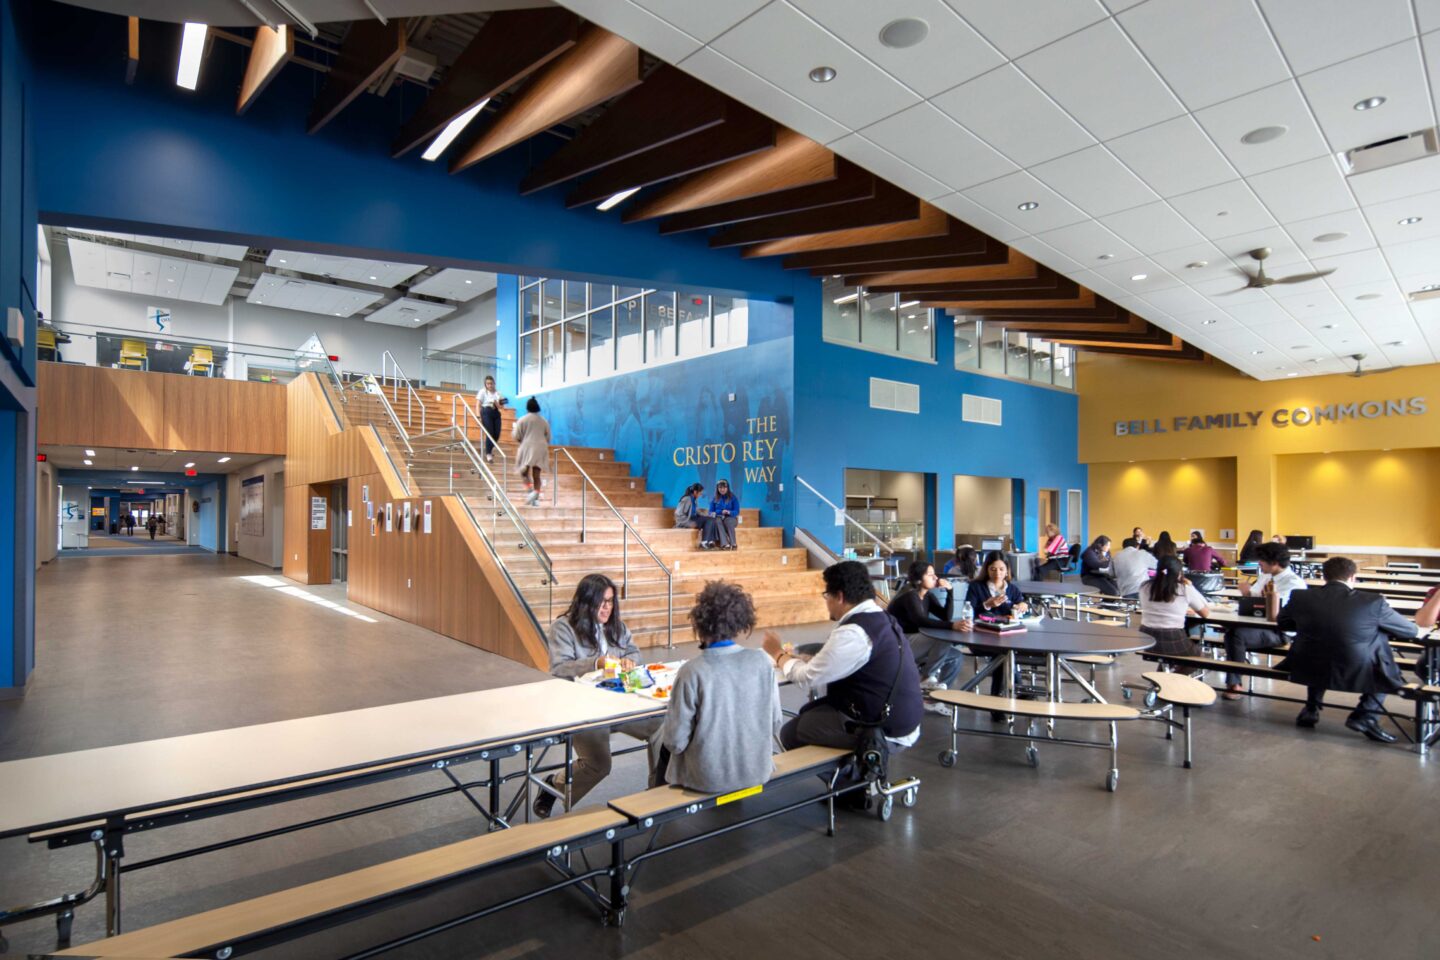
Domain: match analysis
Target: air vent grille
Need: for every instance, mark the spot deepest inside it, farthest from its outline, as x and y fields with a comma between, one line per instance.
x=894, y=395
x=977, y=409
x=1387, y=153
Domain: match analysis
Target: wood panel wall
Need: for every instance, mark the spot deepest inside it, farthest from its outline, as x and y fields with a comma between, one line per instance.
x=106, y=407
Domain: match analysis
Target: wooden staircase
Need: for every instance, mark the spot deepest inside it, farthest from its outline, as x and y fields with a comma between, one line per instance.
x=581, y=535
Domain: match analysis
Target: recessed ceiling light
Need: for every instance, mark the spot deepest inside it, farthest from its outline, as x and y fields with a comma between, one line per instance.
x=1197, y=264
x=1256, y=353
x=1396, y=343
x=1313, y=360
x=616, y=198
x=1300, y=346
x=1407, y=221
x=1207, y=323
x=1265, y=134
x=223, y=460
x=1028, y=205
x=905, y=32
x=1140, y=276
x=1222, y=213
x=133, y=469
x=469, y=281
x=89, y=463
x=1106, y=256
x=1331, y=237
x=89, y=453
x=1292, y=374
x=192, y=50
x=1328, y=326
x=189, y=465
x=1368, y=296
x=372, y=278
x=822, y=74
x=451, y=131
x=1369, y=103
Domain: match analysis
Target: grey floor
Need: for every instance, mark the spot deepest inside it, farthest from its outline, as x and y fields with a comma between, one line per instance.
x=1280, y=843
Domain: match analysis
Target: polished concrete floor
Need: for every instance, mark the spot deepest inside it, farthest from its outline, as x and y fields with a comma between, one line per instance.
x=1280, y=843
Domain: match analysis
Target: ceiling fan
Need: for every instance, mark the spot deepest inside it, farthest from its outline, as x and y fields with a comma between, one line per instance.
x=1260, y=281
x=1360, y=371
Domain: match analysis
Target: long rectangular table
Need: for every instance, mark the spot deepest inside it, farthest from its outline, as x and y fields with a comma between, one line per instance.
x=99, y=795
x=1405, y=605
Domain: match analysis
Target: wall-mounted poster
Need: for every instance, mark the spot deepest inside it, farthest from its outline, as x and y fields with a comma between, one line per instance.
x=319, y=506
x=158, y=319
x=405, y=518
x=389, y=518
x=252, y=506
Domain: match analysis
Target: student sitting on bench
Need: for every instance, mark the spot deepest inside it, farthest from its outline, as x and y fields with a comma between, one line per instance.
x=1163, y=604
x=724, y=713
x=1277, y=577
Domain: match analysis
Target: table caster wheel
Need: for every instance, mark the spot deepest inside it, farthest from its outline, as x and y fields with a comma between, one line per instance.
x=910, y=797
x=947, y=758
x=1112, y=780
x=1032, y=755
x=885, y=808
x=1151, y=699
x=1126, y=692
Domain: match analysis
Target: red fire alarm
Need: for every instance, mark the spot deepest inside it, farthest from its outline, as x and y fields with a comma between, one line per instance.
x=40, y=458
x=334, y=359
x=191, y=472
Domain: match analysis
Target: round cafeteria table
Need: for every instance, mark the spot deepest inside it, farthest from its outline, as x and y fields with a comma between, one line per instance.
x=1056, y=588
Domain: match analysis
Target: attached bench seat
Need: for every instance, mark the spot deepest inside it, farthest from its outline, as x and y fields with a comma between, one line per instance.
x=1043, y=709
x=310, y=903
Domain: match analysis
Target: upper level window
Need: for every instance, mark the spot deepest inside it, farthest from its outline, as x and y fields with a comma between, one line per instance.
x=571, y=331
x=986, y=346
x=876, y=321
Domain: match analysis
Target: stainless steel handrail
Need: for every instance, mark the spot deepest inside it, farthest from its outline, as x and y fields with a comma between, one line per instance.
x=373, y=386
x=468, y=412
x=881, y=543
x=404, y=482
x=624, y=539
x=329, y=364
x=388, y=363
x=505, y=570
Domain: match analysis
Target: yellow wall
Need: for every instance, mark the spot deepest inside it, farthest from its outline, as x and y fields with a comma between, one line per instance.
x=1361, y=498
x=1174, y=495
x=1120, y=389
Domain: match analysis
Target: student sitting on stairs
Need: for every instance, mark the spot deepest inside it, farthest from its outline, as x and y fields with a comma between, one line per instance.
x=689, y=512
x=724, y=515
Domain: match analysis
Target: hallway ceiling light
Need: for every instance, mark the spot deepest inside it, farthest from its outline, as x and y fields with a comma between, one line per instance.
x=1028, y=205
x=1140, y=276
x=452, y=130
x=847, y=298
x=89, y=463
x=192, y=49
x=189, y=465
x=1292, y=374
x=89, y=453
x=1369, y=103
x=822, y=74
x=617, y=198
x=223, y=460
x=1407, y=221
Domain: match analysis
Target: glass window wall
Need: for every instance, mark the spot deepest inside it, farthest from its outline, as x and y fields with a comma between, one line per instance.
x=987, y=346
x=876, y=321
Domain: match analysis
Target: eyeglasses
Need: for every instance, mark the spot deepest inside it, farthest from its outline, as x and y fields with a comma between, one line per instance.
x=608, y=602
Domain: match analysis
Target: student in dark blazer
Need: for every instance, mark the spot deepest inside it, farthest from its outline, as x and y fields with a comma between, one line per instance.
x=1343, y=643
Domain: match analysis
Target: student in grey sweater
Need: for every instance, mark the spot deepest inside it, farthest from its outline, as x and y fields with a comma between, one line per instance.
x=724, y=710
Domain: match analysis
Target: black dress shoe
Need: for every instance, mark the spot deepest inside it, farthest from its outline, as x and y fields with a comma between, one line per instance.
x=1370, y=728
x=1308, y=717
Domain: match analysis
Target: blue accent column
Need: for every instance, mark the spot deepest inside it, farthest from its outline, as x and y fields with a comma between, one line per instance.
x=507, y=347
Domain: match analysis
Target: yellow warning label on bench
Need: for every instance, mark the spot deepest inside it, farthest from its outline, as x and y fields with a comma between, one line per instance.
x=738, y=795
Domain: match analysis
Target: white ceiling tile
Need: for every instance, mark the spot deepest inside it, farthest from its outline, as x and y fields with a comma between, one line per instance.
x=1376, y=298
x=1349, y=222
x=1005, y=195
x=1302, y=190
x=882, y=162
x=1223, y=210
x=1430, y=43
x=1178, y=261
x=1173, y=157
x=1152, y=228
x=1117, y=5
x=1038, y=250
x=383, y=273
x=1100, y=286
x=1258, y=312
x=1207, y=322
x=1402, y=180
x=409, y=312
x=767, y=44
x=1395, y=73
x=1019, y=28
x=311, y=296
x=938, y=146
x=950, y=54
x=1313, y=306
x=1208, y=52
x=1009, y=112
x=722, y=73
x=1283, y=250
x=452, y=283
x=1428, y=12
x=1178, y=301
x=1280, y=105
x=958, y=205
x=703, y=21
x=1095, y=181
x=1362, y=266
x=1417, y=257
x=1099, y=77
x=1087, y=241
x=1317, y=33
x=1122, y=274
x=1385, y=219
x=640, y=26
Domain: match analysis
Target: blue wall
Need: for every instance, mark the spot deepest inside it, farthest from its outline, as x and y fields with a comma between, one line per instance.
x=206, y=521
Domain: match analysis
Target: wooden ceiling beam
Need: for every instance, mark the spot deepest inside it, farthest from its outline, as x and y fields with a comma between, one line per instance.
x=851, y=185
x=368, y=52
x=1131, y=324
x=960, y=239
x=510, y=46
x=979, y=254
x=888, y=205
x=1015, y=265
x=670, y=104
x=272, y=49
x=1085, y=299
x=1045, y=285
x=132, y=49
x=1186, y=352
x=598, y=67
x=932, y=222
x=743, y=132
x=795, y=161
x=1103, y=310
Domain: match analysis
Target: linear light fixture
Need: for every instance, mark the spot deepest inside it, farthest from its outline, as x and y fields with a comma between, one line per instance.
x=452, y=130
x=89, y=463
x=223, y=460
x=620, y=197
x=909, y=303
x=192, y=48
x=847, y=298
x=189, y=465
x=89, y=453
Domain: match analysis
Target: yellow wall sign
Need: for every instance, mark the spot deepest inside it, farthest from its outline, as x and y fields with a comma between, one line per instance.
x=738, y=795
x=1283, y=417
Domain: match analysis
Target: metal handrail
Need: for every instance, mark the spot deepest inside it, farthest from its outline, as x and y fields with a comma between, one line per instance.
x=500, y=562
x=329, y=365
x=372, y=386
x=624, y=539
x=468, y=412
x=388, y=363
x=398, y=472
x=881, y=543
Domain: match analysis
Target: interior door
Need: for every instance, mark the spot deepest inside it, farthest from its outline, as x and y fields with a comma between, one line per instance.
x=1049, y=511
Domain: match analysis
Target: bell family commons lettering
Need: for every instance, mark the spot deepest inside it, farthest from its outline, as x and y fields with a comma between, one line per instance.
x=1281, y=417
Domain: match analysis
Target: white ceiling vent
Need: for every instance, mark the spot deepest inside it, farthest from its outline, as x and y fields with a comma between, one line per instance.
x=894, y=395
x=417, y=64
x=976, y=409
x=1387, y=153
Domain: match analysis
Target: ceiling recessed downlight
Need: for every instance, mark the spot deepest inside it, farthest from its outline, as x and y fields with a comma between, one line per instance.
x=1368, y=296
x=1028, y=205
x=1265, y=134
x=905, y=32
x=1140, y=276
x=89, y=463
x=822, y=74
x=1396, y=343
x=89, y=453
x=1106, y=256
x=1208, y=323
x=1369, y=103
x=1256, y=353
x=1197, y=264
x=223, y=460
x=1407, y=221
x=1331, y=237
x=1292, y=374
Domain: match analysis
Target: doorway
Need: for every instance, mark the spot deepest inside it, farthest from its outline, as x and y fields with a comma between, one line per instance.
x=1049, y=510
x=339, y=531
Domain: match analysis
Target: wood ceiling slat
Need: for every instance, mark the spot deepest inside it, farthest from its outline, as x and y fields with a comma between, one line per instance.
x=1186, y=352
x=744, y=132
x=271, y=50
x=510, y=46
x=1131, y=324
x=370, y=49
x=1103, y=310
x=1015, y=265
x=132, y=49
x=959, y=239
x=1085, y=299
x=888, y=205
x=670, y=104
x=795, y=162
x=988, y=292
x=932, y=222
x=851, y=185
x=600, y=66
x=980, y=255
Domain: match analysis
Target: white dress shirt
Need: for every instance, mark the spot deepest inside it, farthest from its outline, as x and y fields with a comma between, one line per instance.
x=846, y=650
x=1287, y=581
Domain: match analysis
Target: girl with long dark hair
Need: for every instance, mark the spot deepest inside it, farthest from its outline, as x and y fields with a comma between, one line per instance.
x=689, y=514
x=916, y=606
x=1164, y=602
x=1252, y=544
